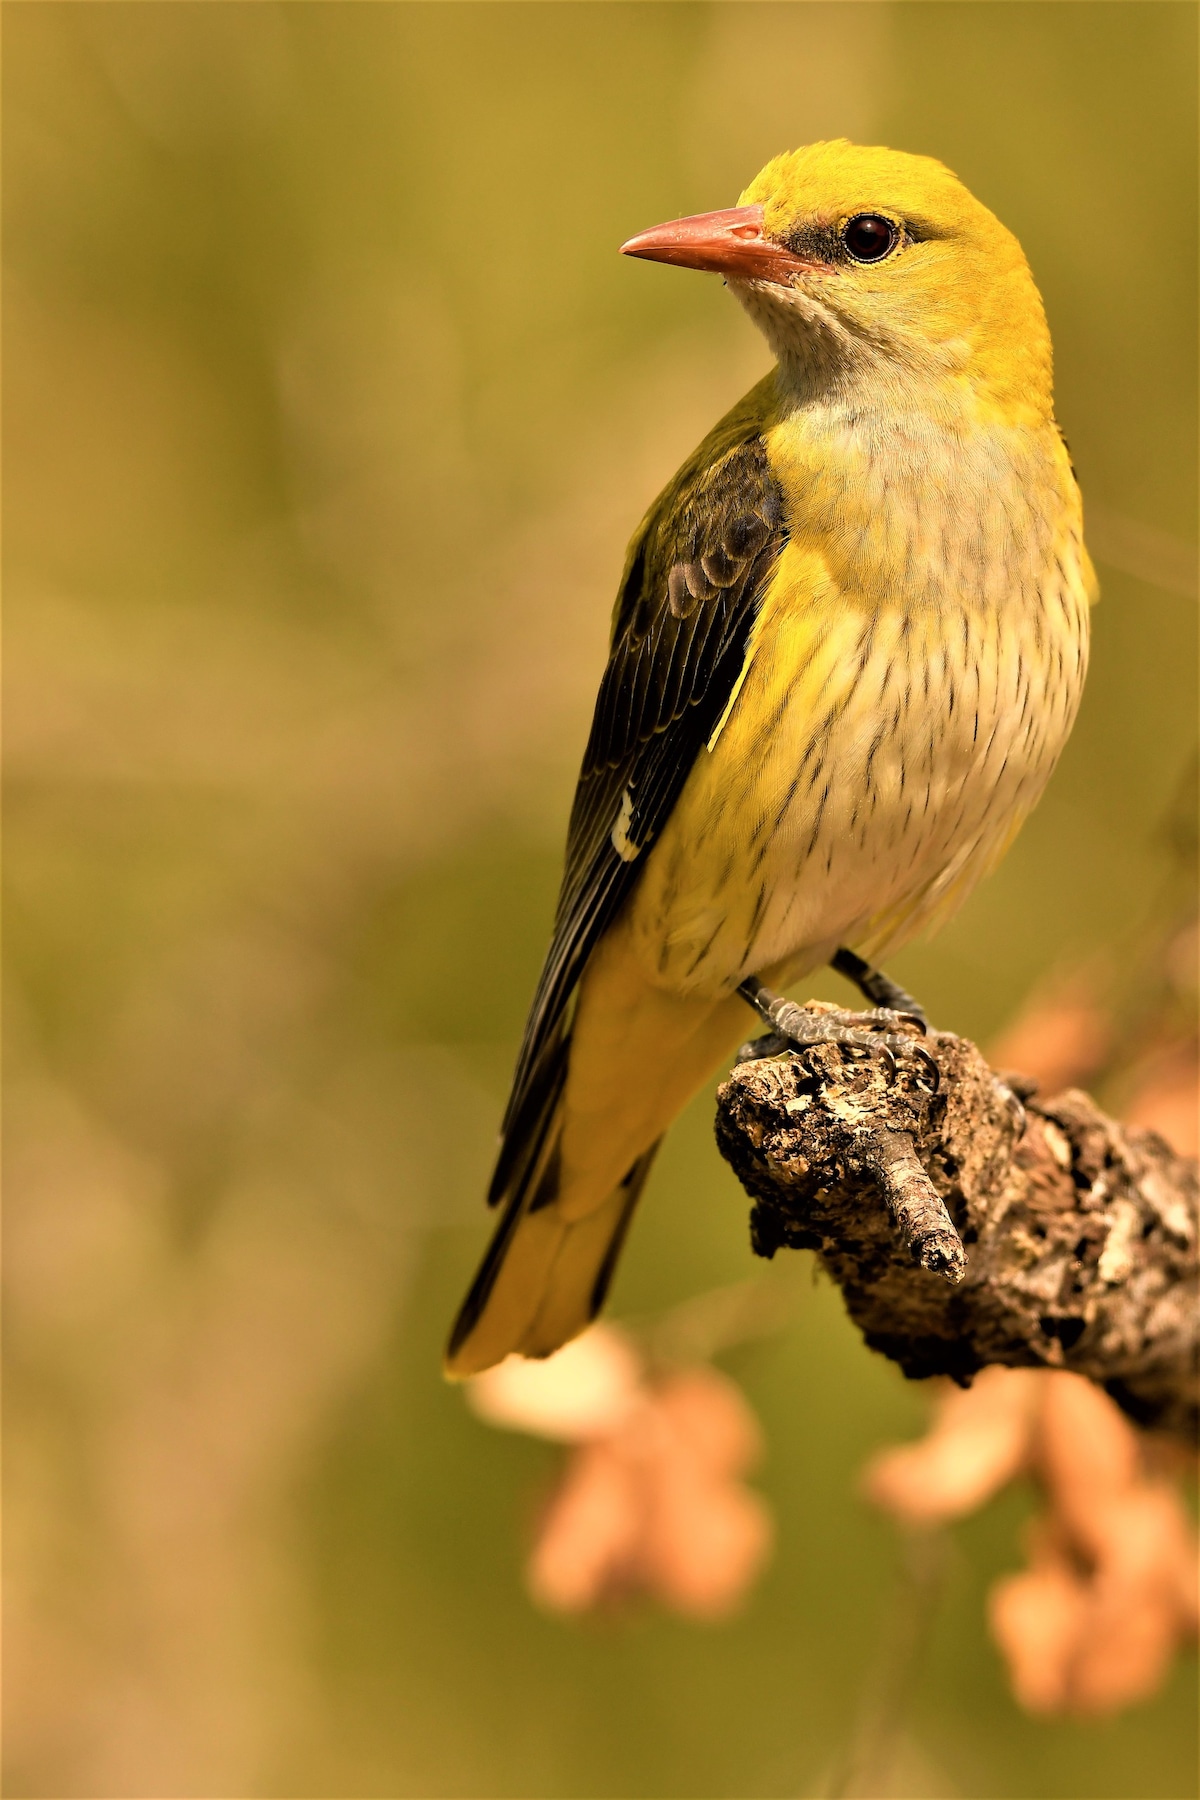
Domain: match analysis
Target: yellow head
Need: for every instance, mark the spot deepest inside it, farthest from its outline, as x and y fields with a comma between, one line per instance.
x=863, y=264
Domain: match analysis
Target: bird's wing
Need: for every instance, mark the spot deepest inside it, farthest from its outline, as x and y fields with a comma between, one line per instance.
x=695, y=573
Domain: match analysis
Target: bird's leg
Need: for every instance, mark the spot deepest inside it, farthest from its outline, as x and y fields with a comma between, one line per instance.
x=875, y=986
x=794, y=1027
x=888, y=995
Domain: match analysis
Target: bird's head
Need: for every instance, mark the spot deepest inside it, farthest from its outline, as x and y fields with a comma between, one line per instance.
x=866, y=265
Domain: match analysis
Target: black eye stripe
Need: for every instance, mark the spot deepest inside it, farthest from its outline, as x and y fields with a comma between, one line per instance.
x=869, y=237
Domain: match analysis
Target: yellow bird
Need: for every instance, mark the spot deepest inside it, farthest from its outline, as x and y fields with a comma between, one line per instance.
x=848, y=647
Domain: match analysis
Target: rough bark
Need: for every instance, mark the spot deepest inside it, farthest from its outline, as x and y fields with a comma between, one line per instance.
x=965, y=1228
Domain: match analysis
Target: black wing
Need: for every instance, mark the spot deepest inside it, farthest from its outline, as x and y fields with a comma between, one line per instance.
x=696, y=571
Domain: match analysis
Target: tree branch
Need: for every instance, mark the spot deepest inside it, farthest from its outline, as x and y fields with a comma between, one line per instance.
x=966, y=1229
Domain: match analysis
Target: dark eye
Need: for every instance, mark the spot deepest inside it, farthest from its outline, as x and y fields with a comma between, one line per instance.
x=869, y=238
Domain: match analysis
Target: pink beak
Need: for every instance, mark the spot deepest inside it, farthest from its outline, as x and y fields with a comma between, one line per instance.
x=731, y=242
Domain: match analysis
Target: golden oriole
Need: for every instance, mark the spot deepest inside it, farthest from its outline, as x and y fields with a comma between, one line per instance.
x=847, y=650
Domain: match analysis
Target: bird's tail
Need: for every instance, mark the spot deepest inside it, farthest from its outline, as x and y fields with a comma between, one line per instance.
x=578, y=1143
x=545, y=1275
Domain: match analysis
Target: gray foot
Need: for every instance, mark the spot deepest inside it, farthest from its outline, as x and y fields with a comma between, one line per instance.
x=874, y=985
x=793, y=1027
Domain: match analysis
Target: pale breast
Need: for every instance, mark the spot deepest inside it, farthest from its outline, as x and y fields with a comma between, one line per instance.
x=882, y=750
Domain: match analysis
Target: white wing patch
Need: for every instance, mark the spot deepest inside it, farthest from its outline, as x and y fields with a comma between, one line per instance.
x=622, y=843
x=737, y=688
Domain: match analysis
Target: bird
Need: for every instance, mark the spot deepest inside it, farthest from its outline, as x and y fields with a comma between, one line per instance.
x=848, y=646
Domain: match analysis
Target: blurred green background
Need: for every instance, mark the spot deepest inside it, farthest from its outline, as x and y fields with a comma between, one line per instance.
x=329, y=410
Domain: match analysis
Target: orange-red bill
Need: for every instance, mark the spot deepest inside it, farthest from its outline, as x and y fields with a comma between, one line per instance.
x=729, y=242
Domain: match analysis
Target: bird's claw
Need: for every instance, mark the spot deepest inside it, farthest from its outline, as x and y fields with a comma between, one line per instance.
x=1015, y=1106
x=872, y=1032
x=935, y=1074
x=757, y=1049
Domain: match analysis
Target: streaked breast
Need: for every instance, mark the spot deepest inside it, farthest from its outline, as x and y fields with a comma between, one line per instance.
x=914, y=673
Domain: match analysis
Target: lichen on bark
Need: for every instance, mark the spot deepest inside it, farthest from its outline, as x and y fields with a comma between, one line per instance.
x=970, y=1221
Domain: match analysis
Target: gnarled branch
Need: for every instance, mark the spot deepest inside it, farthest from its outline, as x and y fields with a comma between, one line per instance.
x=965, y=1228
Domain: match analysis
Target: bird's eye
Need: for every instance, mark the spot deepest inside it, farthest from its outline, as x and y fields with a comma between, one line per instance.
x=869, y=238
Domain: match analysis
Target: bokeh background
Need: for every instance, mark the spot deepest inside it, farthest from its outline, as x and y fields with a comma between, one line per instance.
x=329, y=409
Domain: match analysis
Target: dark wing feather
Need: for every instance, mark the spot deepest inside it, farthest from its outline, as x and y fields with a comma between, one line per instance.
x=695, y=574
